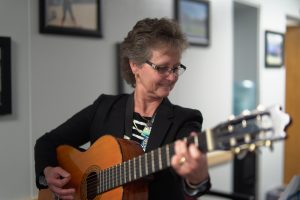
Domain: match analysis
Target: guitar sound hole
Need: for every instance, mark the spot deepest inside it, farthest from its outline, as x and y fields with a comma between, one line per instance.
x=92, y=186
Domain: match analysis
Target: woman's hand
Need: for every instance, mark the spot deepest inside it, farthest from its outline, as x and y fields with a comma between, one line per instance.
x=189, y=162
x=57, y=178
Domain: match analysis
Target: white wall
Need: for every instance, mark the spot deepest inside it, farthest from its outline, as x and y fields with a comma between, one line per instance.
x=15, y=134
x=272, y=82
x=55, y=76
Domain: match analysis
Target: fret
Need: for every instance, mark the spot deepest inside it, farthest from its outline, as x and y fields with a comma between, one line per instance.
x=168, y=155
x=125, y=172
x=129, y=170
x=140, y=166
x=152, y=161
x=159, y=158
x=146, y=163
x=134, y=167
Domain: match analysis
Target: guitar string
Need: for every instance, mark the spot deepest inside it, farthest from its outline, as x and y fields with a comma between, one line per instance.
x=109, y=180
x=108, y=183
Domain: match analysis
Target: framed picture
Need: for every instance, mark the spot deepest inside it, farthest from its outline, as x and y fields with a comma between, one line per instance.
x=193, y=17
x=71, y=17
x=274, y=49
x=5, y=76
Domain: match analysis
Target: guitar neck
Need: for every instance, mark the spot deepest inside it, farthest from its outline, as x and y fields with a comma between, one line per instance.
x=143, y=165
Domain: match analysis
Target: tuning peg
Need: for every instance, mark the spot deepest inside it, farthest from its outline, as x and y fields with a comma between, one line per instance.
x=232, y=141
x=231, y=117
x=269, y=143
x=244, y=123
x=260, y=108
x=246, y=112
x=252, y=147
x=237, y=150
x=247, y=138
x=230, y=128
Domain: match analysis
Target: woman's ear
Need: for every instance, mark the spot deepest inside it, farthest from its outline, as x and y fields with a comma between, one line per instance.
x=134, y=67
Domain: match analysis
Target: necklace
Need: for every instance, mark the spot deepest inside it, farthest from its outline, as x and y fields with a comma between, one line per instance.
x=149, y=122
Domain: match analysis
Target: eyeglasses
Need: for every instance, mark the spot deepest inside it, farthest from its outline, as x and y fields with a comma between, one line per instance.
x=164, y=70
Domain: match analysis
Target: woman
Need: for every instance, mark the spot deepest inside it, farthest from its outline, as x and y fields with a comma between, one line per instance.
x=151, y=55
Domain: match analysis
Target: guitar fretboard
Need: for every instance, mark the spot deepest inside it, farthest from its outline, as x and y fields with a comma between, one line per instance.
x=136, y=168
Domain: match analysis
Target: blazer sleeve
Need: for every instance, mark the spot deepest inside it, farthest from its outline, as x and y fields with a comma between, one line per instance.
x=74, y=132
x=192, y=121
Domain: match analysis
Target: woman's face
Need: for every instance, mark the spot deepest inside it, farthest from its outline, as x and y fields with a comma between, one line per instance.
x=149, y=82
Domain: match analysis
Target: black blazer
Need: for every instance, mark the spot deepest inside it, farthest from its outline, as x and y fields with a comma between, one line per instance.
x=107, y=116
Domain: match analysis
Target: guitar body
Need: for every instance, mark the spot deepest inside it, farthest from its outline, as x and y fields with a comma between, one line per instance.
x=106, y=152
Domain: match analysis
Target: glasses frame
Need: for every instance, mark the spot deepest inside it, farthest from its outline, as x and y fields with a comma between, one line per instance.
x=156, y=68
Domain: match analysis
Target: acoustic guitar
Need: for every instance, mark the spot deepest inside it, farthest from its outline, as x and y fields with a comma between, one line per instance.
x=121, y=174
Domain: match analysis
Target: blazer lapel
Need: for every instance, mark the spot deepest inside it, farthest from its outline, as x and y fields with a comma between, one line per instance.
x=162, y=122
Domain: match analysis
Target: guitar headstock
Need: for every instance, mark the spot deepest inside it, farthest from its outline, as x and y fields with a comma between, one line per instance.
x=250, y=130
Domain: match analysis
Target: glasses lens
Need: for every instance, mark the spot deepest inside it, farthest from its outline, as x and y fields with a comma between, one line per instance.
x=162, y=70
x=166, y=70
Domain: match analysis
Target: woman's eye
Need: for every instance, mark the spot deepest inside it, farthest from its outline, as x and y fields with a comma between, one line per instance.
x=162, y=69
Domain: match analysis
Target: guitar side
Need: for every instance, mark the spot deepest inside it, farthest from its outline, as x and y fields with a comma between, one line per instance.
x=104, y=153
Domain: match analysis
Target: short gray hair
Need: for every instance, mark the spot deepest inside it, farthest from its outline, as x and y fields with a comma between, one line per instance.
x=146, y=35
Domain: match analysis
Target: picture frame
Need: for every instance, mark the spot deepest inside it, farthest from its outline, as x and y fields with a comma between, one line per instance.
x=274, y=49
x=5, y=76
x=70, y=17
x=194, y=19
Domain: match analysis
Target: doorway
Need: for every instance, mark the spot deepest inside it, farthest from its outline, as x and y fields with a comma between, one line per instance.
x=246, y=34
x=292, y=63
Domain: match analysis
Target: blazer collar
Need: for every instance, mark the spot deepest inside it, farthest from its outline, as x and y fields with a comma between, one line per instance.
x=161, y=125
